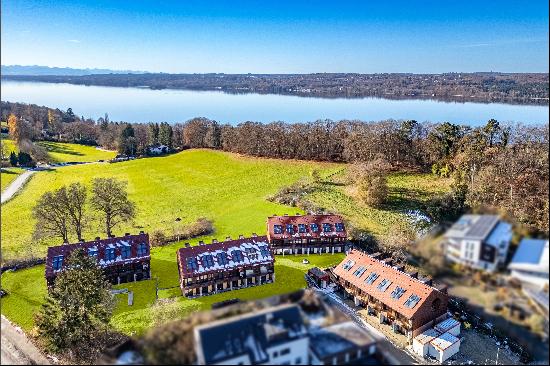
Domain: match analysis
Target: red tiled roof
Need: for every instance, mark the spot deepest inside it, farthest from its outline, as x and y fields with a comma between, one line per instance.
x=307, y=220
x=398, y=278
x=227, y=247
x=117, y=242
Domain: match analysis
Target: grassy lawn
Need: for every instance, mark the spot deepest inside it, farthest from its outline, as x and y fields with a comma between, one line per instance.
x=27, y=289
x=8, y=175
x=405, y=192
x=60, y=152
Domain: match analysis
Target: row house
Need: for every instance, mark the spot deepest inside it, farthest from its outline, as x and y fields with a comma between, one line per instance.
x=397, y=298
x=123, y=259
x=306, y=234
x=222, y=266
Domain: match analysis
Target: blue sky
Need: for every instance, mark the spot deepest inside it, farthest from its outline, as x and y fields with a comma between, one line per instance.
x=278, y=37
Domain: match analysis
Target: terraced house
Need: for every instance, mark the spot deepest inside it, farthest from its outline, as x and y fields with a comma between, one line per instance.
x=223, y=266
x=306, y=234
x=123, y=259
x=407, y=303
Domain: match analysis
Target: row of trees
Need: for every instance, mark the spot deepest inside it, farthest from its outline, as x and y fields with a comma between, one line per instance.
x=62, y=211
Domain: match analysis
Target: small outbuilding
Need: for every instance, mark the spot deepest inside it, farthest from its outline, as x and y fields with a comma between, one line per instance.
x=320, y=277
x=444, y=347
x=449, y=325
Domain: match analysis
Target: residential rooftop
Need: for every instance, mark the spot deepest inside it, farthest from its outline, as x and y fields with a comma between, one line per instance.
x=338, y=338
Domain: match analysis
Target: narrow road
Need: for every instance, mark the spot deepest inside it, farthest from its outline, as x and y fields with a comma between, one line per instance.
x=14, y=187
x=395, y=355
x=17, y=349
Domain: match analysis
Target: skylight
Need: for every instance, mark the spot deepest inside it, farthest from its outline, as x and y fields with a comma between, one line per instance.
x=192, y=264
x=339, y=227
x=327, y=227
x=237, y=256
x=290, y=228
x=412, y=301
x=278, y=229
x=372, y=277
x=222, y=258
x=397, y=293
x=314, y=228
x=359, y=271
x=383, y=286
x=208, y=261
x=347, y=266
x=301, y=228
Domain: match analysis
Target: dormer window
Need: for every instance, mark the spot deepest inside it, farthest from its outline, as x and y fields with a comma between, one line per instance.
x=57, y=262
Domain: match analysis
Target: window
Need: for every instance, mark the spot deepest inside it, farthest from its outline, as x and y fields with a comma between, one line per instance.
x=222, y=258
x=92, y=252
x=412, y=301
x=110, y=254
x=264, y=251
x=237, y=256
x=125, y=252
x=277, y=229
x=359, y=271
x=251, y=253
x=347, y=266
x=192, y=264
x=327, y=228
x=339, y=227
x=290, y=228
x=301, y=228
x=383, y=286
x=371, y=278
x=57, y=262
x=285, y=351
x=397, y=293
x=142, y=249
x=207, y=261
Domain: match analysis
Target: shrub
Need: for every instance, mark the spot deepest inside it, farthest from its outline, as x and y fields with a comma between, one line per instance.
x=158, y=238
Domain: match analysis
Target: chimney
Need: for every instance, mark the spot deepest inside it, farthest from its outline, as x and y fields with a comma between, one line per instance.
x=141, y=232
x=285, y=214
x=97, y=238
x=387, y=261
x=426, y=281
x=201, y=242
x=126, y=234
x=254, y=235
x=376, y=255
x=227, y=238
x=82, y=240
x=241, y=236
x=214, y=241
x=413, y=274
x=187, y=245
x=399, y=268
x=298, y=214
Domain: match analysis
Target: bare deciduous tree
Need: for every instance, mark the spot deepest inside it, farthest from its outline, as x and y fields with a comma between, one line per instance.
x=111, y=198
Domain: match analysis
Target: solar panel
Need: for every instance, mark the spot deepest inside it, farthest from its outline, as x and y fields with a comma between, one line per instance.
x=359, y=271
x=237, y=256
x=192, y=264
x=412, y=301
x=398, y=292
x=383, y=286
x=372, y=277
x=222, y=258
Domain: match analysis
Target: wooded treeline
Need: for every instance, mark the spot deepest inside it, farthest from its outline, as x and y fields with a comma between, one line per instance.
x=493, y=167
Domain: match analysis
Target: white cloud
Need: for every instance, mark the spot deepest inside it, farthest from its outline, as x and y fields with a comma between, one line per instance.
x=73, y=40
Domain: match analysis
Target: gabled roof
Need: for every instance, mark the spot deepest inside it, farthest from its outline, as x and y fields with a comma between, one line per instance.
x=101, y=245
x=393, y=278
x=306, y=220
x=249, y=334
x=475, y=227
x=199, y=253
x=531, y=255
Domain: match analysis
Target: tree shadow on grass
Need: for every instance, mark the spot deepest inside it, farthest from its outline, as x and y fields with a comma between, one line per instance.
x=56, y=148
x=5, y=171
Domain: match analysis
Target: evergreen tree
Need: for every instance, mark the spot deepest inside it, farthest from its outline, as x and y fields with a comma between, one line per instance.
x=24, y=159
x=165, y=134
x=78, y=307
x=13, y=158
x=127, y=141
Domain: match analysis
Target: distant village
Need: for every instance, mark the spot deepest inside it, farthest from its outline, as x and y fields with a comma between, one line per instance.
x=380, y=300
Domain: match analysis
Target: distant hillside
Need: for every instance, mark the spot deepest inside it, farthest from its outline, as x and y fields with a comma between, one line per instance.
x=62, y=71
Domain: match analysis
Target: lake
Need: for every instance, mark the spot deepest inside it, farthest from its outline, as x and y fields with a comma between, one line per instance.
x=145, y=105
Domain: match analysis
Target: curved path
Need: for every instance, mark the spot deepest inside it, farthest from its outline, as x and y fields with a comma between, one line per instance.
x=17, y=349
x=16, y=185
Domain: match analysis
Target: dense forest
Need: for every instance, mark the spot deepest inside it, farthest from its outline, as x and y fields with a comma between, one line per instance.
x=518, y=88
x=494, y=167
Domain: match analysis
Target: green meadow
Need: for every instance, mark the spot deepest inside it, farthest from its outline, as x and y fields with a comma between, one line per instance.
x=228, y=189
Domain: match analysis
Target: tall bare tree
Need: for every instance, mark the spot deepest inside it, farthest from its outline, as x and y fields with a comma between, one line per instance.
x=51, y=215
x=75, y=203
x=111, y=198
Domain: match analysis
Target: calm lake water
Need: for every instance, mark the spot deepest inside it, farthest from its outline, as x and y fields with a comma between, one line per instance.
x=144, y=105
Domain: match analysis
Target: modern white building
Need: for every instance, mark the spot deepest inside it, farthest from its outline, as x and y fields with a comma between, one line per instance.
x=530, y=262
x=158, y=149
x=440, y=342
x=275, y=336
x=478, y=241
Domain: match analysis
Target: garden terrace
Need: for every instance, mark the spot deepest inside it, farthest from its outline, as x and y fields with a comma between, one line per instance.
x=302, y=234
x=222, y=266
x=410, y=305
x=123, y=259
